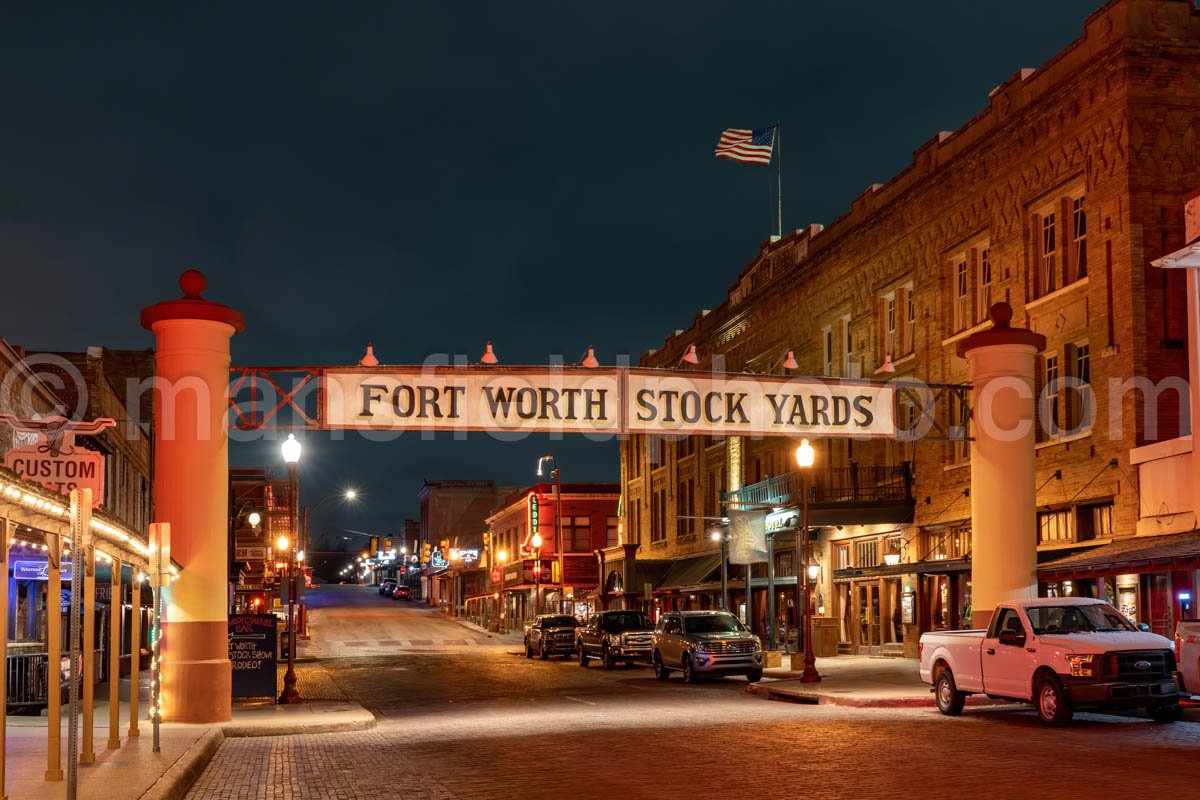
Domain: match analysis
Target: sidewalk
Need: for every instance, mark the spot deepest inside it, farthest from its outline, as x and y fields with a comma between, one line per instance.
x=516, y=638
x=861, y=681
x=135, y=771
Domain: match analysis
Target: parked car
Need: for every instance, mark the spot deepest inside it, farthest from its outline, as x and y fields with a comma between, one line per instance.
x=387, y=587
x=550, y=635
x=1187, y=655
x=613, y=636
x=1058, y=654
x=705, y=643
x=402, y=592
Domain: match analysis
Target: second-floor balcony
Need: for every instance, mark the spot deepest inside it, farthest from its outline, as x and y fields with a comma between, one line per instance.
x=851, y=495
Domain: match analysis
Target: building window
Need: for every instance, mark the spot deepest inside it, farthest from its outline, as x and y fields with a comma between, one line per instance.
x=612, y=531
x=1079, y=265
x=1047, y=261
x=960, y=413
x=891, y=321
x=868, y=553
x=962, y=301
x=1055, y=526
x=827, y=350
x=658, y=516
x=910, y=319
x=685, y=508
x=577, y=534
x=848, y=351
x=1083, y=362
x=1050, y=396
x=841, y=556
x=1095, y=521
x=985, y=282
x=685, y=447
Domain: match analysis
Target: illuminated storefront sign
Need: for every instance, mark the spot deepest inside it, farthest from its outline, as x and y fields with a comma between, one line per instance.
x=34, y=570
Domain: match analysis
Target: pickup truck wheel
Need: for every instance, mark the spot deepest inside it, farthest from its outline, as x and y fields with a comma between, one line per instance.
x=583, y=659
x=610, y=663
x=949, y=699
x=1164, y=714
x=689, y=672
x=1053, y=704
x=660, y=672
x=542, y=654
x=754, y=676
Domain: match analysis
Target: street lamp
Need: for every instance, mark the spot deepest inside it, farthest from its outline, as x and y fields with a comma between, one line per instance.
x=558, y=515
x=254, y=518
x=723, y=538
x=536, y=541
x=291, y=457
x=501, y=557
x=805, y=456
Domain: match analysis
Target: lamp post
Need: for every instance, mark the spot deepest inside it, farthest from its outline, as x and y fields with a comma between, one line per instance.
x=558, y=515
x=804, y=460
x=291, y=456
x=501, y=557
x=723, y=538
x=536, y=541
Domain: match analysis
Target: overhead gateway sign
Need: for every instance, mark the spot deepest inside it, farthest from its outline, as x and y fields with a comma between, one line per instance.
x=602, y=401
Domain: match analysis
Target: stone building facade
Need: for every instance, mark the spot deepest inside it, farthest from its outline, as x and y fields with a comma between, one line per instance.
x=1055, y=198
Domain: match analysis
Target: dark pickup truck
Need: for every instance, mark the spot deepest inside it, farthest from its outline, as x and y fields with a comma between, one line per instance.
x=551, y=635
x=613, y=636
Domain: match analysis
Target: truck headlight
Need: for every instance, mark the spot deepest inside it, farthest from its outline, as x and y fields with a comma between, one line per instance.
x=1082, y=666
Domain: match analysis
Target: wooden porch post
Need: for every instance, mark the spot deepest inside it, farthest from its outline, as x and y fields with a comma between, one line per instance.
x=114, y=657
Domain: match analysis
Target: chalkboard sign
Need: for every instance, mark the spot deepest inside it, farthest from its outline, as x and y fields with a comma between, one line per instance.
x=252, y=648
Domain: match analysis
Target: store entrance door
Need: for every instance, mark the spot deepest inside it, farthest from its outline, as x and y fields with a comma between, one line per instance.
x=869, y=632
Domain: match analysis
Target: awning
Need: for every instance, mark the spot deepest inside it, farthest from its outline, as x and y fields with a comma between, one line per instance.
x=932, y=566
x=689, y=571
x=1171, y=551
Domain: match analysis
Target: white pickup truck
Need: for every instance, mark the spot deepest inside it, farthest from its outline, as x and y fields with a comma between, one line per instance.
x=1057, y=653
x=1187, y=654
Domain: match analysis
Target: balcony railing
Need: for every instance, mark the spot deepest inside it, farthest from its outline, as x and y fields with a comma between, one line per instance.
x=832, y=485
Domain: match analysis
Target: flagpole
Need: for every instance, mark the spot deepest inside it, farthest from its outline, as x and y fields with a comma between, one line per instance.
x=779, y=178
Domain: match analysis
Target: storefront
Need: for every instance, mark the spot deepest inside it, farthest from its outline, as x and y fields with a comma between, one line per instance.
x=883, y=610
x=1152, y=580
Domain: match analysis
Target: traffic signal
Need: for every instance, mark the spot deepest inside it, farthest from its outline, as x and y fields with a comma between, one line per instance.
x=426, y=552
x=374, y=548
x=387, y=544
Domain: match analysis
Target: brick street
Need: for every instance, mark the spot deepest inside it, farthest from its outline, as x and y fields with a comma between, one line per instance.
x=487, y=723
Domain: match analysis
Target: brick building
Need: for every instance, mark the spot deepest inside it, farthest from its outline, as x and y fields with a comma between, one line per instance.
x=453, y=516
x=1054, y=198
x=529, y=580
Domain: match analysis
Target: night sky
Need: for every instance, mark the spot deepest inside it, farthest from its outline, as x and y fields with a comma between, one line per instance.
x=430, y=176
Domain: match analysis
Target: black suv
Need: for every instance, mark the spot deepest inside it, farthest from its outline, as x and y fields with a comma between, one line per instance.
x=613, y=636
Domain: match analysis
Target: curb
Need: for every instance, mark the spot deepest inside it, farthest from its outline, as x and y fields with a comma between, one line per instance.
x=178, y=779
x=850, y=701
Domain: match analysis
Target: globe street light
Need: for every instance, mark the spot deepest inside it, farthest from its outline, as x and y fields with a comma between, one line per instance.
x=805, y=456
x=291, y=457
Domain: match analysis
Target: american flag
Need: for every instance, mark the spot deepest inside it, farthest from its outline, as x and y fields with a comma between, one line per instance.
x=749, y=147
